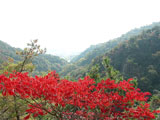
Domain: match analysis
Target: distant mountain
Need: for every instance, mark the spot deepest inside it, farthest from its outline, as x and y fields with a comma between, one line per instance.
x=84, y=53
x=43, y=62
x=67, y=55
x=7, y=51
x=47, y=62
x=79, y=63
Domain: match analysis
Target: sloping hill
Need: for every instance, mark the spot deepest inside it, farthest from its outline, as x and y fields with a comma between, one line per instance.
x=79, y=63
x=43, y=62
x=138, y=57
x=95, y=50
x=7, y=51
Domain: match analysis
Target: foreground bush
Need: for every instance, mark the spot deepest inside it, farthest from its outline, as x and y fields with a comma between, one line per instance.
x=52, y=97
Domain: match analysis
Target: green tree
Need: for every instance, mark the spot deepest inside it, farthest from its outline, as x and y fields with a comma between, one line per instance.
x=94, y=73
x=110, y=71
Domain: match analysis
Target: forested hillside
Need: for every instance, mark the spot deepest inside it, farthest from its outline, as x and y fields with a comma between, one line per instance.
x=7, y=51
x=79, y=63
x=99, y=49
x=42, y=62
x=138, y=57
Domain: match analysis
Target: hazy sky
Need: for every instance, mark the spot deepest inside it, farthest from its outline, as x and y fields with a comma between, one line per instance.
x=72, y=25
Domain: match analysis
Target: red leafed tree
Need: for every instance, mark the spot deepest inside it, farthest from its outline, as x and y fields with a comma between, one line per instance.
x=81, y=100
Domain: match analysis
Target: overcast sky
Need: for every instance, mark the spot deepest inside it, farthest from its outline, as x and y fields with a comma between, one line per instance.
x=72, y=25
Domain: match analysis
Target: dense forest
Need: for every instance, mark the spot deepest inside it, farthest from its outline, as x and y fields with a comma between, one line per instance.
x=138, y=57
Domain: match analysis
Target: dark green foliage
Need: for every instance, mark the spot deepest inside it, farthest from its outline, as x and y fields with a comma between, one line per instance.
x=94, y=73
x=138, y=57
x=155, y=100
x=110, y=72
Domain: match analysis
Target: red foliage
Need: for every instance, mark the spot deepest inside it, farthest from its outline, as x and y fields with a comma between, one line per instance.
x=83, y=99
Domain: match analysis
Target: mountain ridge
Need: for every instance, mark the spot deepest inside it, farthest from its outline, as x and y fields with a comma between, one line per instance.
x=43, y=62
x=80, y=63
